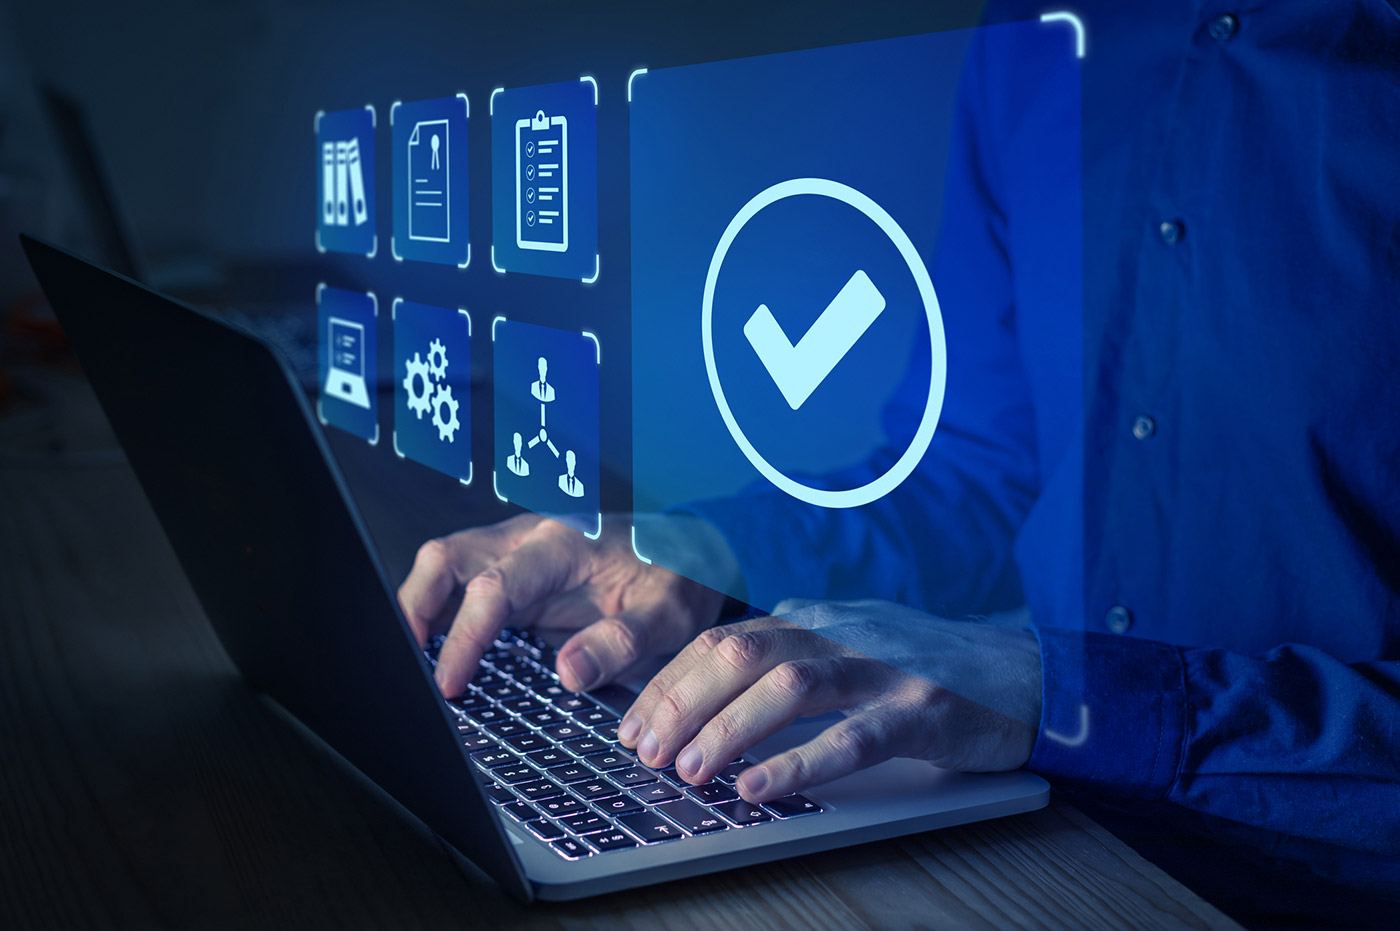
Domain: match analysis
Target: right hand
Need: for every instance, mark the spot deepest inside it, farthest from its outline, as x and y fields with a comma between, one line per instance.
x=530, y=571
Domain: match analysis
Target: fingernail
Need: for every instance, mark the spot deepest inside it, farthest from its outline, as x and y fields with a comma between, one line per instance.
x=690, y=759
x=631, y=723
x=649, y=745
x=585, y=668
x=754, y=781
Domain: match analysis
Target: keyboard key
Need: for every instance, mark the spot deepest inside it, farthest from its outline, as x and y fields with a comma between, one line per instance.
x=731, y=772
x=585, y=822
x=612, y=759
x=477, y=741
x=571, y=702
x=513, y=775
x=583, y=746
x=712, y=793
x=504, y=691
x=534, y=791
x=464, y=703
x=545, y=830
x=507, y=728
x=499, y=794
x=694, y=818
x=607, y=732
x=561, y=805
x=520, y=811
x=551, y=691
x=571, y=849
x=566, y=731
x=742, y=812
x=494, y=759
x=595, y=717
x=594, y=790
x=526, y=742
x=549, y=756
x=657, y=793
x=522, y=705
x=633, y=776
x=571, y=772
x=486, y=714
x=543, y=718
x=650, y=827
x=791, y=806
x=533, y=678
x=485, y=679
x=612, y=840
x=619, y=805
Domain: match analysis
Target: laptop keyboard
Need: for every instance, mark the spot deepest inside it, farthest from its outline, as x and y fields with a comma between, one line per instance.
x=549, y=759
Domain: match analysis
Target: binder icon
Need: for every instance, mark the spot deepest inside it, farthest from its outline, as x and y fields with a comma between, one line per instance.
x=542, y=183
x=343, y=183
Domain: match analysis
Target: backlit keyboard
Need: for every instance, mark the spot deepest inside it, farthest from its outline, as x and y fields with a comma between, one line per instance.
x=549, y=759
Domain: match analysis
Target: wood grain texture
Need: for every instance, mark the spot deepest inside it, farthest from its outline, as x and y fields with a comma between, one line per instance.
x=144, y=785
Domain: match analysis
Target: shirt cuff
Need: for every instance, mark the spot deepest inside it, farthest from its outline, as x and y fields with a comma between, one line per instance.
x=1113, y=713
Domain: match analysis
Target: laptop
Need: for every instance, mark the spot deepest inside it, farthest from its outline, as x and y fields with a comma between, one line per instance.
x=520, y=777
x=345, y=373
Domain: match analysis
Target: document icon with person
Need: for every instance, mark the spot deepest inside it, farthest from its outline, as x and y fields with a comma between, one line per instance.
x=429, y=182
x=542, y=182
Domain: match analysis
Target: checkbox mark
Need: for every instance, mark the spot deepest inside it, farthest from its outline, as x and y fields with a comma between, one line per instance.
x=799, y=370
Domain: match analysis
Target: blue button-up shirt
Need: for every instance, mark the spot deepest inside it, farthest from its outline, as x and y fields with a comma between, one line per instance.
x=1187, y=461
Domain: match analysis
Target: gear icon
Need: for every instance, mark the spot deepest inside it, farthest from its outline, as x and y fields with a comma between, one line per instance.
x=443, y=400
x=437, y=360
x=418, y=401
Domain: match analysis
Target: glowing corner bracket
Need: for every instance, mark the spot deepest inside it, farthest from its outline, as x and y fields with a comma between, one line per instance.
x=590, y=79
x=1079, y=737
x=635, y=551
x=497, y=488
x=928, y=423
x=597, y=267
x=491, y=103
x=1064, y=16
x=632, y=77
x=499, y=269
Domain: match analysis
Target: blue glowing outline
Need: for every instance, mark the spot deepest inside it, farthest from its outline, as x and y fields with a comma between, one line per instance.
x=632, y=77
x=1064, y=16
x=591, y=80
x=635, y=551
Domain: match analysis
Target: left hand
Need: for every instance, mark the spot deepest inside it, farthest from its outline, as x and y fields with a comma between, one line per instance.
x=961, y=694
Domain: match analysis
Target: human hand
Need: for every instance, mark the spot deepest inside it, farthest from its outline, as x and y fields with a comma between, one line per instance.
x=961, y=694
x=530, y=571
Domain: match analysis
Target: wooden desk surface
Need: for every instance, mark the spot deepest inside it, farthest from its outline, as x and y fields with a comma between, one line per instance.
x=143, y=784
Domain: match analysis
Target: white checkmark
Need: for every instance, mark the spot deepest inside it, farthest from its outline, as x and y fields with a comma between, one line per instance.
x=799, y=370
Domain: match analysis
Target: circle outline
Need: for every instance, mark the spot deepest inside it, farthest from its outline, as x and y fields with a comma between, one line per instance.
x=938, y=373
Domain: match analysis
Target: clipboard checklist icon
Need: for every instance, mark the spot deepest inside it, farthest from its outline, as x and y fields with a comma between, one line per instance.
x=542, y=183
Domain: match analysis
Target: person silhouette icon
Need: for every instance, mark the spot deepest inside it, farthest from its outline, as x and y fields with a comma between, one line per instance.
x=542, y=389
x=517, y=463
x=568, y=484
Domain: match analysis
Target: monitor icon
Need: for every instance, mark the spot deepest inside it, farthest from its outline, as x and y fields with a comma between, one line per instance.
x=345, y=373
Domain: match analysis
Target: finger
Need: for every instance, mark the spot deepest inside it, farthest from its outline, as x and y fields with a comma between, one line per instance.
x=790, y=690
x=608, y=647
x=546, y=564
x=430, y=587
x=859, y=741
x=629, y=730
x=717, y=679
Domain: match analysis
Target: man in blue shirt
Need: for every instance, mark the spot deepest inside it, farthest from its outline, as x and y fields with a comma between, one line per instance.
x=1194, y=491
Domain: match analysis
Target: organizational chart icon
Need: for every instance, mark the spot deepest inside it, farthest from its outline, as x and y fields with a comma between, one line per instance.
x=546, y=398
x=544, y=187
x=346, y=327
x=345, y=181
x=430, y=178
x=432, y=385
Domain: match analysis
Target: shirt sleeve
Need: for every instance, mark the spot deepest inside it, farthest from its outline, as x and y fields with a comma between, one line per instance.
x=1294, y=741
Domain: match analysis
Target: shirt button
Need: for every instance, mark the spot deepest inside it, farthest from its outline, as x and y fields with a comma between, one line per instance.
x=1171, y=231
x=1144, y=426
x=1119, y=619
x=1223, y=27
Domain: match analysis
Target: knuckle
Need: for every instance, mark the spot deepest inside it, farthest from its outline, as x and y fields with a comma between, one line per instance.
x=433, y=554
x=796, y=678
x=623, y=640
x=743, y=651
x=708, y=640
x=723, y=731
x=669, y=711
x=490, y=582
x=853, y=744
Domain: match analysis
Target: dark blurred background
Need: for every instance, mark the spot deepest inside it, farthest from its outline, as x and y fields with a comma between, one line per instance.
x=174, y=141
